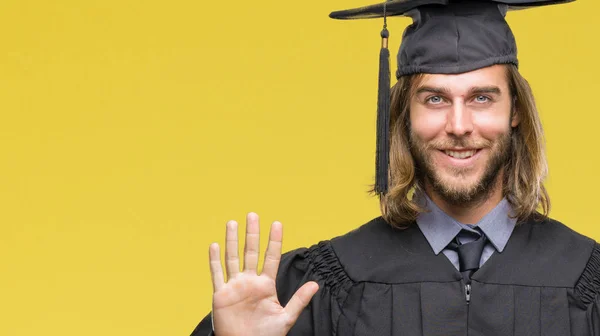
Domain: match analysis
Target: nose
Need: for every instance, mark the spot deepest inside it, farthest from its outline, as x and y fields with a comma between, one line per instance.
x=459, y=120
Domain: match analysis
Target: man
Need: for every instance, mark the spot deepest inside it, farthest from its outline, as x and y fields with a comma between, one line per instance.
x=460, y=248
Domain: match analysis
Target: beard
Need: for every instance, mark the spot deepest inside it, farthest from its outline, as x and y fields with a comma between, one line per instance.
x=449, y=189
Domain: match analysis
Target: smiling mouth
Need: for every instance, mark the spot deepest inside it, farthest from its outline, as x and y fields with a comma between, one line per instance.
x=462, y=154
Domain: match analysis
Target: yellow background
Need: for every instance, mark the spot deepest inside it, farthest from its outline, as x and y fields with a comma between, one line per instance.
x=131, y=131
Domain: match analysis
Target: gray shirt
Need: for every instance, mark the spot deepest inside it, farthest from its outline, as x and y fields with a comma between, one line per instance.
x=440, y=229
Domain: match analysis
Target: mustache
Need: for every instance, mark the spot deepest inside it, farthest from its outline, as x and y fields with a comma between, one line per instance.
x=458, y=143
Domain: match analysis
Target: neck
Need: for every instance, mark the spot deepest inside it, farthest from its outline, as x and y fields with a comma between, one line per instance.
x=469, y=213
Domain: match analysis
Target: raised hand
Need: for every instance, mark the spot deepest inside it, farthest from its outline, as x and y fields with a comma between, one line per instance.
x=247, y=303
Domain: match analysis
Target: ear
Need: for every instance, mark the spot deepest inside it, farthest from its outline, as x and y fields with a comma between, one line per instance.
x=515, y=118
x=514, y=121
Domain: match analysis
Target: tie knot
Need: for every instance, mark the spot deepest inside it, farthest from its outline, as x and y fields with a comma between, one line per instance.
x=469, y=254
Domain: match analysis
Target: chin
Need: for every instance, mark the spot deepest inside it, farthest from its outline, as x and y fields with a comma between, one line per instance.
x=460, y=186
x=464, y=188
x=463, y=180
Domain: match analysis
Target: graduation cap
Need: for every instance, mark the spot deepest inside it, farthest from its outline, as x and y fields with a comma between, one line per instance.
x=446, y=37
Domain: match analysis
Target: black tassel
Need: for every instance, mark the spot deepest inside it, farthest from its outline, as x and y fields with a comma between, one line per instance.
x=383, y=118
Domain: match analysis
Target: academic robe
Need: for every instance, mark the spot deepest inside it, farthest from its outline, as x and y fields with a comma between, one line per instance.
x=378, y=280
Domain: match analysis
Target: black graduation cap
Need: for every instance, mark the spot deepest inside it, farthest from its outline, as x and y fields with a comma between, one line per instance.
x=446, y=37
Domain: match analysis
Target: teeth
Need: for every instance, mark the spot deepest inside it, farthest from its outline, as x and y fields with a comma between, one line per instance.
x=460, y=155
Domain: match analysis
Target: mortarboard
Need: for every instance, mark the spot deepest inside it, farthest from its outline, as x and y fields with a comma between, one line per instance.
x=446, y=37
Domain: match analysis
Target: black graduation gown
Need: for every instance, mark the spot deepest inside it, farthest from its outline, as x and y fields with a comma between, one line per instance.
x=377, y=280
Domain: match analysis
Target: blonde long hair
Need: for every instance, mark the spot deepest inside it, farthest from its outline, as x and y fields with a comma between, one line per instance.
x=524, y=172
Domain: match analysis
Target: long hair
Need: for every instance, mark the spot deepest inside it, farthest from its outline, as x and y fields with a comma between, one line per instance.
x=524, y=172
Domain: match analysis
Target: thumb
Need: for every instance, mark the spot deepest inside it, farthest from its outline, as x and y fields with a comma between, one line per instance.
x=300, y=300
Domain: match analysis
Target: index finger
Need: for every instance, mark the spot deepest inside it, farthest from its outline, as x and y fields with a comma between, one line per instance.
x=273, y=254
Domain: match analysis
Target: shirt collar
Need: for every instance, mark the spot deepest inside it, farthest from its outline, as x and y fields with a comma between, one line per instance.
x=439, y=228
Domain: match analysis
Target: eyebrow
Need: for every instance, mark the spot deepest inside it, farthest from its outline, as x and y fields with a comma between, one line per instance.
x=446, y=91
x=485, y=89
x=431, y=89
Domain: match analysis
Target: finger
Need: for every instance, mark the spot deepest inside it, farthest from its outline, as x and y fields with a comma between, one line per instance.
x=216, y=271
x=252, y=243
x=273, y=255
x=232, y=259
x=300, y=300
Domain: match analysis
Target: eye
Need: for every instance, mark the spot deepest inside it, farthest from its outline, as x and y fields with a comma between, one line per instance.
x=434, y=100
x=482, y=99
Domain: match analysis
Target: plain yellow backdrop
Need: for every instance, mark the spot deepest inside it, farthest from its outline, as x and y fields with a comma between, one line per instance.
x=131, y=131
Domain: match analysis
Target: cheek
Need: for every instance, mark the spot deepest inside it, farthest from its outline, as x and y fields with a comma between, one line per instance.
x=491, y=125
x=426, y=124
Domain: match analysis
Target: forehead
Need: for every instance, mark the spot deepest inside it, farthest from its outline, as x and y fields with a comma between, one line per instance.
x=494, y=75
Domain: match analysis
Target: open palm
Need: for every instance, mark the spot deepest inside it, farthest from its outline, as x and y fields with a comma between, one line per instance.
x=247, y=303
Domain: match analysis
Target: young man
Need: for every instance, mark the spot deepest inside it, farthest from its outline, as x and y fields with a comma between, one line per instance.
x=460, y=248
